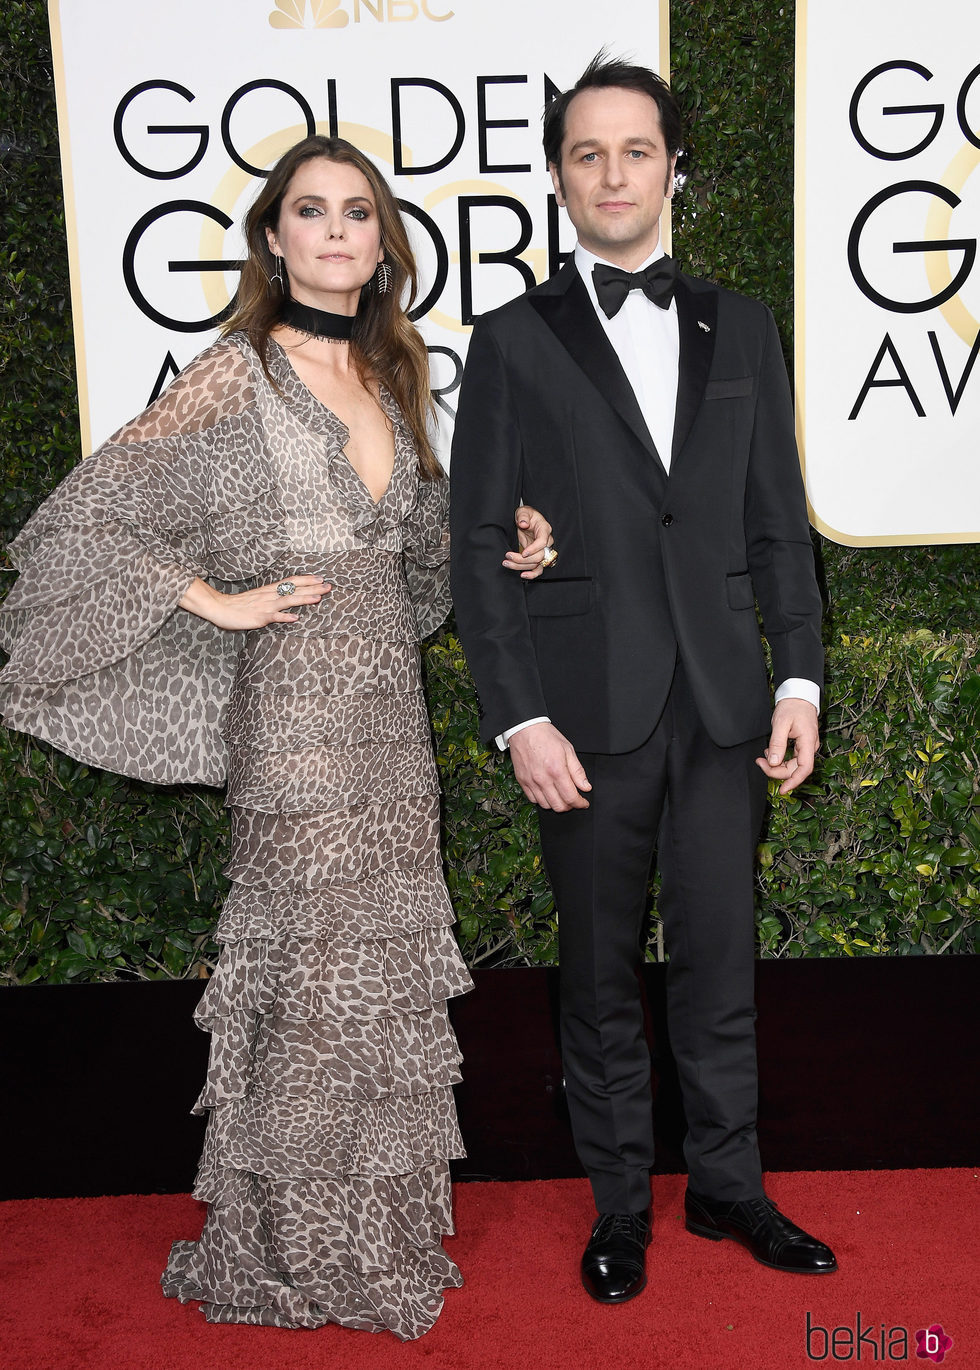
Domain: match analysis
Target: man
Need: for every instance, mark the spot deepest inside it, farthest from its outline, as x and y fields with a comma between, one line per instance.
x=648, y=414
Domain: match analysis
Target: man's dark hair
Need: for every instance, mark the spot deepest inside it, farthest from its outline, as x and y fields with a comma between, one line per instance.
x=602, y=73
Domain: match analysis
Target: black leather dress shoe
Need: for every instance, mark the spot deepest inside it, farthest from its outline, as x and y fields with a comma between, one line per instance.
x=758, y=1224
x=614, y=1262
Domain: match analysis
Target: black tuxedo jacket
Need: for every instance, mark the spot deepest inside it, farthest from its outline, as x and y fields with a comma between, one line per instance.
x=650, y=565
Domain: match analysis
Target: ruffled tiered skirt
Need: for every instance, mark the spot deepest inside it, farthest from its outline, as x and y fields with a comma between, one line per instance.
x=329, y=1090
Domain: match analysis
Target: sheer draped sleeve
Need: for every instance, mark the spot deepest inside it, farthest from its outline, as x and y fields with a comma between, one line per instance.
x=427, y=555
x=103, y=662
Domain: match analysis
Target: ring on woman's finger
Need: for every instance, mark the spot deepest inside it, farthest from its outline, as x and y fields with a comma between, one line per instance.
x=285, y=587
x=548, y=557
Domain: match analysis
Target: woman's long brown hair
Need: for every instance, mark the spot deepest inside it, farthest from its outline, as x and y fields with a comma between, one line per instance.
x=385, y=344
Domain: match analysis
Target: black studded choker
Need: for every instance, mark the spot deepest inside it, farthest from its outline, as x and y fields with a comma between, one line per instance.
x=317, y=323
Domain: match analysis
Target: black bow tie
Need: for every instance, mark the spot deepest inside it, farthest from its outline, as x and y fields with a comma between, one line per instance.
x=613, y=285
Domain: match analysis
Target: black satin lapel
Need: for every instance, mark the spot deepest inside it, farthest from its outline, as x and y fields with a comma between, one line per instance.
x=697, y=317
x=572, y=318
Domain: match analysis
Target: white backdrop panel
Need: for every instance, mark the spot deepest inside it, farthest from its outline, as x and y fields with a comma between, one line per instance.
x=167, y=111
x=887, y=282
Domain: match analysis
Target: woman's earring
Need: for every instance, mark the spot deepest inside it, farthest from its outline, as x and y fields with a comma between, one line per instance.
x=382, y=278
x=276, y=277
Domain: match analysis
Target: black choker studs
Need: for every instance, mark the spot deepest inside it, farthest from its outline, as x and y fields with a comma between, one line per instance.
x=317, y=323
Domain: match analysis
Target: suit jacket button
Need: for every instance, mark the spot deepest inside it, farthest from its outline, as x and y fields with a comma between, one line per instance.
x=667, y=520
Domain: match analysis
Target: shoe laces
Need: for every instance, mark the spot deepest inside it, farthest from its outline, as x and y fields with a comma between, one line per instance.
x=620, y=1225
x=762, y=1210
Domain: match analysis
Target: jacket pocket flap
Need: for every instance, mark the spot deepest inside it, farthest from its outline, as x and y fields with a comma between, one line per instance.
x=550, y=598
x=740, y=592
x=729, y=390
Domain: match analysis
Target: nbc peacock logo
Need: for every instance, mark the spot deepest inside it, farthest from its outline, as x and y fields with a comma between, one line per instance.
x=317, y=14
x=329, y=14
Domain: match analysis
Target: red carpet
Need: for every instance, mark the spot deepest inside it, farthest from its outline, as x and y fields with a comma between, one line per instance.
x=78, y=1284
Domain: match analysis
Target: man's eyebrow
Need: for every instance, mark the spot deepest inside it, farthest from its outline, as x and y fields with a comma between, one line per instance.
x=590, y=143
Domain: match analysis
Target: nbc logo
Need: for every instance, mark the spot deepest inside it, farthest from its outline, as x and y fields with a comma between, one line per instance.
x=329, y=14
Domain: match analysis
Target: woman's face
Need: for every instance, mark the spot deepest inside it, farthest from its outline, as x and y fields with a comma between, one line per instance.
x=328, y=234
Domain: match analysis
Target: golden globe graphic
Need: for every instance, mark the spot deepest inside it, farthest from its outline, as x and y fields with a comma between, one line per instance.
x=888, y=282
x=176, y=129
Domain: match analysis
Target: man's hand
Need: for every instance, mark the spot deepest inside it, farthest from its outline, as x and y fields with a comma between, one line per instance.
x=533, y=536
x=793, y=720
x=547, y=769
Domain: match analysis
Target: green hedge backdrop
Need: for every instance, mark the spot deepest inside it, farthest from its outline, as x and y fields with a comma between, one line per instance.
x=102, y=878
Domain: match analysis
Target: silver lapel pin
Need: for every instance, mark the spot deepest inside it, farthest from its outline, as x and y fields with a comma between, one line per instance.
x=705, y=326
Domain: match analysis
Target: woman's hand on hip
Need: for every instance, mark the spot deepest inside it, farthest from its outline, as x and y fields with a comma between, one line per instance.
x=253, y=608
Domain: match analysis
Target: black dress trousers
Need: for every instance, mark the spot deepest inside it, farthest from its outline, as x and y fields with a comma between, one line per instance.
x=699, y=807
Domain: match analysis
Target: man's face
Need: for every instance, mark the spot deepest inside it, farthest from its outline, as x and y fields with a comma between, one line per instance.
x=615, y=173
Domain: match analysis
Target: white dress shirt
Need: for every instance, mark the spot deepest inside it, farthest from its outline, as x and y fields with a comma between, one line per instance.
x=646, y=340
x=641, y=330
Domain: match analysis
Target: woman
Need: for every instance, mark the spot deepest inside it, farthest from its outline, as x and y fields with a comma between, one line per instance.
x=259, y=553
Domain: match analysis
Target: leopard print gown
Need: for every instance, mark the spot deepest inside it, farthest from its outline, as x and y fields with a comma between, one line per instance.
x=329, y=1090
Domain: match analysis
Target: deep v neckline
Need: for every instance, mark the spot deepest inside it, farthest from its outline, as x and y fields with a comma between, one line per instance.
x=357, y=475
x=315, y=407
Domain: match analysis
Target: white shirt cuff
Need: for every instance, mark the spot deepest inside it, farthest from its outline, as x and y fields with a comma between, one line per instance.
x=799, y=689
x=502, y=739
